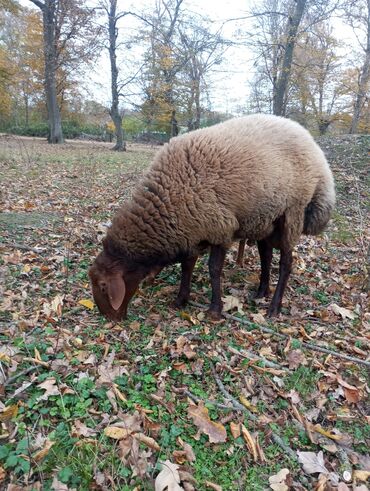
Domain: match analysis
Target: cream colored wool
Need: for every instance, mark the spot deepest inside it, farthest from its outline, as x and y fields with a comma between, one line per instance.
x=219, y=184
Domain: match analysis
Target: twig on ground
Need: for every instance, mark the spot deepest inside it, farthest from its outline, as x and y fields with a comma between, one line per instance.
x=23, y=247
x=26, y=371
x=253, y=356
x=309, y=346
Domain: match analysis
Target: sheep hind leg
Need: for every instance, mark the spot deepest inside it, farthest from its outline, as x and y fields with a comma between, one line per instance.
x=265, y=251
x=187, y=267
x=216, y=262
x=240, y=258
x=285, y=268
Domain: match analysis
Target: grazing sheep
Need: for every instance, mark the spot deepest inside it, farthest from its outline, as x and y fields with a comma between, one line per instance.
x=260, y=178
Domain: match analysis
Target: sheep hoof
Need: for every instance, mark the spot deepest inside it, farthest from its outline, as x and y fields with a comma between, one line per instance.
x=263, y=293
x=273, y=311
x=214, y=315
x=179, y=302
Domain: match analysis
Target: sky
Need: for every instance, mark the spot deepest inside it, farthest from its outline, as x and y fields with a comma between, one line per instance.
x=229, y=88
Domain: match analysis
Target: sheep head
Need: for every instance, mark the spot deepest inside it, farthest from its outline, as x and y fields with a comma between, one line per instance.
x=113, y=285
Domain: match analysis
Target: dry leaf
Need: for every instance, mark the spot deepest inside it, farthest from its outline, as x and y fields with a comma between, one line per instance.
x=212, y=485
x=344, y=313
x=50, y=389
x=258, y=318
x=9, y=412
x=80, y=429
x=87, y=303
x=116, y=433
x=148, y=441
x=215, y=431
x=277, y=482
x=296, y=358
x=312, y=463
x=187, y=317
x=43, y=452
x=2, y=474
x=168, y=478
x=251, y=444
x=359, y=475
x=235, y=429
x=230, y=303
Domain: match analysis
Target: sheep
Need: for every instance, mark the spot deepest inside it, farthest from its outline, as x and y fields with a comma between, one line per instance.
x=257, y=178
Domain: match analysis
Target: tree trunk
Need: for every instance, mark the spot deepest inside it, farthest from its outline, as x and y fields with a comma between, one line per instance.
x=281, y=85
x=114, y=109
x=55, y=123
x=363, y=80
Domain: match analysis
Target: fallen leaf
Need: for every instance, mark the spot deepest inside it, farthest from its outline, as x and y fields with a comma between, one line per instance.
x=296, y=358
x=215, y=431
x=360, y=475
x=312, y=463
x=251, y=444
x=277, y=482
x=85, y=302
x=230, y=303
x=187, y=317
x=344, y=313
x=258, y=318
x=9, y=412
x=212, y=485
x=41, y=454
x=2, y=474
x=50, y=389
x=116, y=433
x=147, y=440
x=168, y=478
x=80, y=429
x=235, y=429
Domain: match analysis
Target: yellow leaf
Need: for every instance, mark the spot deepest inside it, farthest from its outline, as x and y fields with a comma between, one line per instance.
x=37, y=355
x=87, y=303
x=118, y=393
x=248, y=405
x=4, y=358
x=361, y=475
x=235, y=429
x=9, y=412
x=116, y=433
x=187, y=317
x=41, y=454
x=26, y=268
x=251, y=444
x=2, y=474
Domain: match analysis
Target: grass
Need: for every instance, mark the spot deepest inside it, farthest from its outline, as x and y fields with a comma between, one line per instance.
x=87, y=375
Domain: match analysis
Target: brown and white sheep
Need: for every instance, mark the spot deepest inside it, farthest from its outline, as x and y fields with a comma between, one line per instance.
x=259, y=177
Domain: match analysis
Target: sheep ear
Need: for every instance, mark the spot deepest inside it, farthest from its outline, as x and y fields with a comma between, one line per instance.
x=116, y=290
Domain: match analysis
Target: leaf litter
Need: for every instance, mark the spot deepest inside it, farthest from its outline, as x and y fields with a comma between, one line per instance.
x=88, y=404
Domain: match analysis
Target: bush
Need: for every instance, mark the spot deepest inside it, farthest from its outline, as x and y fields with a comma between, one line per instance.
x=70, y=130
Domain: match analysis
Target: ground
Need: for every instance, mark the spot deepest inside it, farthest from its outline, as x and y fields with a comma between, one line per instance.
x=168, y=397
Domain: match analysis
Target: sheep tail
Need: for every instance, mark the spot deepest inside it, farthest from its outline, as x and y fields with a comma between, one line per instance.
x=318, y=212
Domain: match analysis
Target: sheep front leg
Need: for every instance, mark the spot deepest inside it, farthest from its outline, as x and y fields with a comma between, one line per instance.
x=187, y=266
x=285, y=268
x=265, y=251
x=215, y=264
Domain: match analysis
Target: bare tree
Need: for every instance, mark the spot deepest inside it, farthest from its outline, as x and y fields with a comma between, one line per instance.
x=113, y=17
x=357, y=14
x=202, y=50
x=279, y=25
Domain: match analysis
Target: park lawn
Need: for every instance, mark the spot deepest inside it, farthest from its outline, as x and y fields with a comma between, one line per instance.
x=85, y=404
